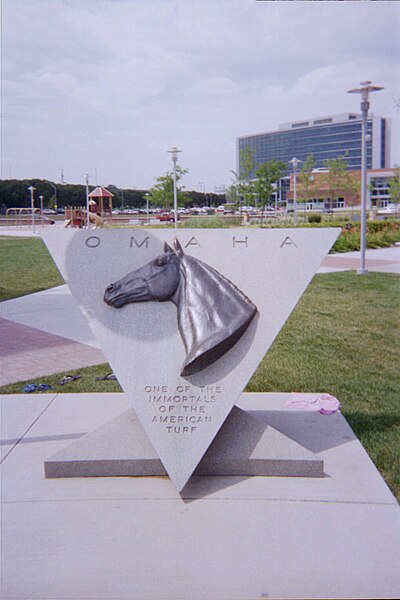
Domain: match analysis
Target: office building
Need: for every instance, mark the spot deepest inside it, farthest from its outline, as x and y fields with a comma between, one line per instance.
x=325, y=137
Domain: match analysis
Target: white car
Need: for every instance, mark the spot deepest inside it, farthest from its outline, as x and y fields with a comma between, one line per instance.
x=390, y=209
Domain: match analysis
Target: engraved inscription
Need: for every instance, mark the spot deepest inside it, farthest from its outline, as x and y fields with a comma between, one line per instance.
x=92, y=241
x=137, y=244
x=240, y=243
x=183, y=409
x=193, y=242
x=288, y=242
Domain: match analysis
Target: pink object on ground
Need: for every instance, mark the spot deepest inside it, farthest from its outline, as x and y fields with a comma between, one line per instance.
x=323, y=403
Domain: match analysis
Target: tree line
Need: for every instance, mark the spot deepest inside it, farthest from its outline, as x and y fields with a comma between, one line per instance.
x=15, y=194
x=254, y=184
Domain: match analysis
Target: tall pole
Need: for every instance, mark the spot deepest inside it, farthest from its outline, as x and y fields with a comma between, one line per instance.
x=87, y=200
x=363, y=246
x=31, y=189
x=174, y=155
x=147, y=208
x=175, y=196
x=295, y=162
x=41, y=209
x=364, y=91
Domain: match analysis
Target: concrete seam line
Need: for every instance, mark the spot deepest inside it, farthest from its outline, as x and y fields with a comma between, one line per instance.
x=30, y=427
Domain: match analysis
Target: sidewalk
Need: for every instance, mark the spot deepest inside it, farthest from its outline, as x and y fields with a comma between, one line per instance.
x=45, y=333
x=380, y=260
x=225, y=538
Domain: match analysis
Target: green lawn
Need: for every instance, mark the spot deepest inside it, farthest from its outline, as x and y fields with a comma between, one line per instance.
x=343, y=338
x=25, y=267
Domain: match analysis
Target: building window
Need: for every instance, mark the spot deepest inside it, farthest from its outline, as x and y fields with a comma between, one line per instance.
x=322, y=121
x=305, y=124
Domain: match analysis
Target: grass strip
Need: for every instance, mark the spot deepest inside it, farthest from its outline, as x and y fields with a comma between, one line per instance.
x=26, y=267
x=344, y=339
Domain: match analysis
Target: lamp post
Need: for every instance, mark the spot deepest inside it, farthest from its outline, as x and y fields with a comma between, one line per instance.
x=147, y=196
x=41, y=209
x=174, y=155
x=364, y=91
x=295, y=162
x=87, y=200
x=31, y=189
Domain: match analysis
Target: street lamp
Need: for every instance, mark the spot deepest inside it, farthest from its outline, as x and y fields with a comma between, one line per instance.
x=364, y=91
x=295, y=162
x=174, y=155
x=87, y=200
x=147, y=196
x=31, y=189
x=41, y=209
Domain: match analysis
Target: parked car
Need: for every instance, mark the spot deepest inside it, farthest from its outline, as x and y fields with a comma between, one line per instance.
x=167, y=217
x=39, y=219
x=389, y=209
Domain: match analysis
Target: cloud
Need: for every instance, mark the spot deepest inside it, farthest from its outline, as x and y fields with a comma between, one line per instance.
x=115, y=83
x=216, y=86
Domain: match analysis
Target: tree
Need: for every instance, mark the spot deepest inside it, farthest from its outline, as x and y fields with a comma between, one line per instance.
x=244, y=179
x=267, y=177
x=307, y=185
x=352, y=188
x=394, y=187
x=162, y=193
x=338, y=180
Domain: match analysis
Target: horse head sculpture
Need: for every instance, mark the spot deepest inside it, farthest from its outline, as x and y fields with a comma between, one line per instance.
x=213, y=313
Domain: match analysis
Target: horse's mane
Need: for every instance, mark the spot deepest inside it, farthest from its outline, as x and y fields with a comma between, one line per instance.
x=212, y=313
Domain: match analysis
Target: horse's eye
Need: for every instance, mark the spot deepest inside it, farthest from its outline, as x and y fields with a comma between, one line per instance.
x=159, y=262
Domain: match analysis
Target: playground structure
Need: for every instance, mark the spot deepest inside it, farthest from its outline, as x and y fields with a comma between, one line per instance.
x=19, y=217
x=76, y=217
x=100, y=210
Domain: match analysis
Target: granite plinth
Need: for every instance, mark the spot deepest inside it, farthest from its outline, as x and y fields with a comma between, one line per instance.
x=245, y=445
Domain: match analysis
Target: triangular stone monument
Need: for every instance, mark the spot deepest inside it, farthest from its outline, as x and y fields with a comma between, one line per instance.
x=185, y=317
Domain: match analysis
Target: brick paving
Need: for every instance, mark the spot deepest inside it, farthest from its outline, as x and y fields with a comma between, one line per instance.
x=345, y=262
x=27, y=353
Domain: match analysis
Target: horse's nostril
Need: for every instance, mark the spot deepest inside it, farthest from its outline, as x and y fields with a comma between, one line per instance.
x=110, y=288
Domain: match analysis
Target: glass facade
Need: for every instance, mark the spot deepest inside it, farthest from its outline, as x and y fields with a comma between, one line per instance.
x=324, y=141
x=379, y=191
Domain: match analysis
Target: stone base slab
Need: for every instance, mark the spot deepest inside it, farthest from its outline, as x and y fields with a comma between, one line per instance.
x=245, y=446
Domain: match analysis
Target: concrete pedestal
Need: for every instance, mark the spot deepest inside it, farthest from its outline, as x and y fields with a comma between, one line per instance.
x=245, y=445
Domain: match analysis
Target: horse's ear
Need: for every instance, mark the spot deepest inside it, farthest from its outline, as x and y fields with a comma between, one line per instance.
x=167, y=248
x=178, y=247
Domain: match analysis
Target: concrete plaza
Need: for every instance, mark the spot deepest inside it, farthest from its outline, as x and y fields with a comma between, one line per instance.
x=222, y=538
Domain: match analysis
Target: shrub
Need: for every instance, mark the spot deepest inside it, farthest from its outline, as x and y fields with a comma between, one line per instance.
x=207, y=223
x=314, y=218
x=350, y=238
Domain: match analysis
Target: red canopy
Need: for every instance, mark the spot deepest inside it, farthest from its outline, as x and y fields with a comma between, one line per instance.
x=101, y=192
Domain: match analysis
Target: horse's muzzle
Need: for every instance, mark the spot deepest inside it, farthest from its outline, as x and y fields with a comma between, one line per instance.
x=117, y=294
x=112, y=298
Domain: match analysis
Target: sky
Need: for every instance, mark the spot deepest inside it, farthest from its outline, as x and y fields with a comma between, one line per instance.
x=107, y=87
